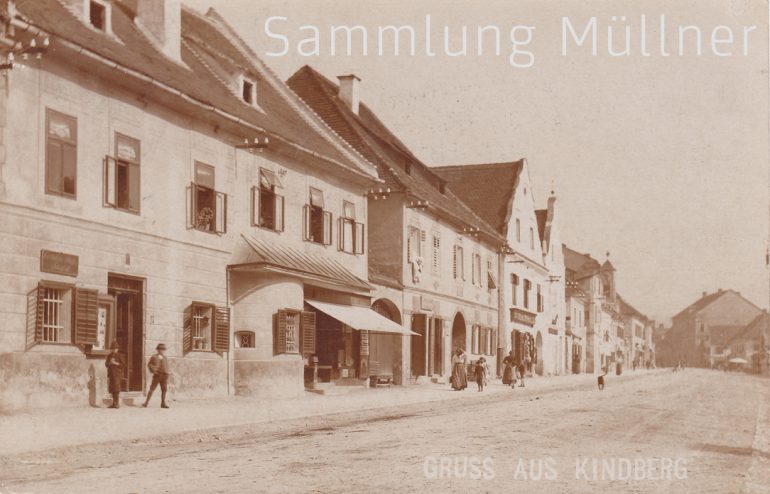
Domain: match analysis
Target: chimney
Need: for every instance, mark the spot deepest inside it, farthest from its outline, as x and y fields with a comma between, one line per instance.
x=162, y=21
x=704, y=294
x=349, y=91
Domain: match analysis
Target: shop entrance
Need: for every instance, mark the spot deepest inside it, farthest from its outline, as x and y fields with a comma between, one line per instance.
x=458, y=333
x=128, y=293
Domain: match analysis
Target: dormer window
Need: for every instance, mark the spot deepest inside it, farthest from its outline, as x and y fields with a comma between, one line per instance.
x=99, y=15
x=249, y=91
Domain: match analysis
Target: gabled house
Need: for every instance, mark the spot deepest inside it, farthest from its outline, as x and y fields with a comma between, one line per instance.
x=750, y=343
x=688, y=341
x=160, y=185
x=532, y=308
x=432, y=260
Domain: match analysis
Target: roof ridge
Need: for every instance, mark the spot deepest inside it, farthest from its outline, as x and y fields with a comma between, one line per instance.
x=500, y=164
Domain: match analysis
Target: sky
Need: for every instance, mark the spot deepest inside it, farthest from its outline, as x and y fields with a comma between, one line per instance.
x=660, y=161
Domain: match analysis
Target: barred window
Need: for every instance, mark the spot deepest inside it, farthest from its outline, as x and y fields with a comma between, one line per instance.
x=57, y=315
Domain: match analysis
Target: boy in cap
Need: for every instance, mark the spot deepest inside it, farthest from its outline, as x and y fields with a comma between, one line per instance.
x=159, y=367
x=115, y=364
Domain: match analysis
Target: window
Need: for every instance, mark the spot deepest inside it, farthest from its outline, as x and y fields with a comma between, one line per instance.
x=294, y=332
x=540, y=304
x=122, y=182
x=514, y=289
x=60, y=313
x=531, y=238
x=476, y=265
x=266, y=205
x=351, y=232
x=527, y=288
x=458, y=266
x=249, y=91
x=208, y=208
x=317, y=221
x=475, y=339
x=98, y=15
x=413, y=244
x=206, y=328
x=518, y=230
x=57, y=315
x=61, y=154
x=436, y=259
x=244, y=339
x=201, y=327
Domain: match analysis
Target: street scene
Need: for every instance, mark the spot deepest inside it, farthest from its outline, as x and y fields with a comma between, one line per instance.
x=555, y=431
x=375, y=247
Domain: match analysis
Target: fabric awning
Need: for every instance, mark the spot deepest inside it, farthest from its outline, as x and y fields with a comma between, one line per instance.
x=361, y=318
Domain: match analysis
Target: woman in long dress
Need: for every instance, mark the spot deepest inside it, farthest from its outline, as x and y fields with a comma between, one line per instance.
x=509, y=374
x=459, y=375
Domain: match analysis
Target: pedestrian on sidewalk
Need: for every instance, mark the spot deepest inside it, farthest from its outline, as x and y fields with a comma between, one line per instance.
x=522, y=371
x=159, y=367
x=481, y=372
x=459, y=374
x=509, y=373
x=115, y=364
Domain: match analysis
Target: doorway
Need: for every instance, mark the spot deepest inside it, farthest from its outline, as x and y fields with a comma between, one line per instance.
x=458, y=333
x=128, y=293
x=436, y=347
x=419, y=345
x=539, y=355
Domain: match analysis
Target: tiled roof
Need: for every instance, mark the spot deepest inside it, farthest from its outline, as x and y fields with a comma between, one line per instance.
x=372, y=139
x=701, y=303
x=130, y=47
x=627, y=309
x=487, y=188
x=582, y=265
x=754, y=329
x=263, y=254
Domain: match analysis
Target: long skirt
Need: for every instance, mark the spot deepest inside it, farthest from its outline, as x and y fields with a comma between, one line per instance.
x=459, y=377
x=508, y=375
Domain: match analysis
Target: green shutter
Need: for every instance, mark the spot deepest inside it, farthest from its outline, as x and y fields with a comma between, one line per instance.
x=187, y=342
x=308, y=333
x=279, y=339
x=222, y=329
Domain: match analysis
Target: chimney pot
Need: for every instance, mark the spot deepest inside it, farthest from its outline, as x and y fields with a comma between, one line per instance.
x=349, y=91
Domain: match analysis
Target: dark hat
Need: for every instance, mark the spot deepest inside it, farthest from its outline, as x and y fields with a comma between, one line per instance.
x=160, y=346
x=114, y=345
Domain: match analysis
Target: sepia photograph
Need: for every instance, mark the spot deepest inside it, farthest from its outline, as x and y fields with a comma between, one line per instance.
x=375, y=246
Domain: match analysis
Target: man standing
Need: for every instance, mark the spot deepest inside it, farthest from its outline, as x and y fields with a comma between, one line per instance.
x=115, y=365
x=159, y=367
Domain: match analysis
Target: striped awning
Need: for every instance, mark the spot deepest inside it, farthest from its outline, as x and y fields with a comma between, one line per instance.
x=360, y=318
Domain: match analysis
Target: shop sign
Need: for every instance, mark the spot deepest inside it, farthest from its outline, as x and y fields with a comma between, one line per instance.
x=523, y=317
x=58, y=263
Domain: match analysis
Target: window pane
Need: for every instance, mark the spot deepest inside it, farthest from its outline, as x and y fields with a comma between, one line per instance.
x=204, y=175
x=126, y=148
x=134, y=185
x=53, y=171
x=122, y=185
x=347, y=235
x=350, y=210
x=61, y=126
x=316, y=198
x=69, y=167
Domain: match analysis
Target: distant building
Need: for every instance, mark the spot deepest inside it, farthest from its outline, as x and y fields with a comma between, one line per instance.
x=750, y=344
x=689, y=339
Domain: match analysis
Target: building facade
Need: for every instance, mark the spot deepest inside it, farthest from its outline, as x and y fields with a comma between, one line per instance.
x=426, y=247
x=133, y=211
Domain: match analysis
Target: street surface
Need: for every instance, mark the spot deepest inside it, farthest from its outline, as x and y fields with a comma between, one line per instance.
x=693, y=431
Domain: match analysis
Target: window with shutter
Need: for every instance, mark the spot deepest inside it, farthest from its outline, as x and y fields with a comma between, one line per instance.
x=122, y=175
x=360, y=238
x=222, y=329
x=267, y=205
x=327, y=228
x=34, y=316
x=308, y=333
x=86, y=315
x=187, y=342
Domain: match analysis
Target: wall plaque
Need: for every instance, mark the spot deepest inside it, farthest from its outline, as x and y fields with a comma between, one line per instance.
x=58, y=263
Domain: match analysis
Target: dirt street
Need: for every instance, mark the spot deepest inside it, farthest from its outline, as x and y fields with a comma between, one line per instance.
x=693, y=431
